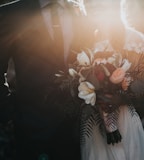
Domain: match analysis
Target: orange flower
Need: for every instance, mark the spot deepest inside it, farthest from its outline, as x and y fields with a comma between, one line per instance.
x=117, y=76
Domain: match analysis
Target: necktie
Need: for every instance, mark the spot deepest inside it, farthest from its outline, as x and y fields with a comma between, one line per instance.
x=57, y=30
x=58, y=46
x=60, y=29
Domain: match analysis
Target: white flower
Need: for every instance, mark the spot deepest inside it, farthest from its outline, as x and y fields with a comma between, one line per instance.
x=83, y=59
x=100, y=61
x=111, y=60
x=87, y=92
x=60, y=74
x=72, y=72
x=126, y=65
x=115, y=60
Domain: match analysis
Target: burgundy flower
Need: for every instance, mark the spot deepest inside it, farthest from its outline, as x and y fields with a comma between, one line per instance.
x=99, y=73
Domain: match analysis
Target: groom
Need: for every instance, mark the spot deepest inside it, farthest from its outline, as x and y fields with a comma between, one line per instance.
x=39, y=36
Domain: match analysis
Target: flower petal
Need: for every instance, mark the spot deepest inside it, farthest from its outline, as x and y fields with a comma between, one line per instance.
x=126, y=65
x=83, y=59
x=72, y=72
x=87, y=92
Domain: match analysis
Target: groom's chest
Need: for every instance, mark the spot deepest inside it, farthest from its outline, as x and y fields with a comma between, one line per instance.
x=34, y=51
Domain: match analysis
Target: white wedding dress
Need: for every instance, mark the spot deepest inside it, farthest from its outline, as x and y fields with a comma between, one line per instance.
x=94, y=145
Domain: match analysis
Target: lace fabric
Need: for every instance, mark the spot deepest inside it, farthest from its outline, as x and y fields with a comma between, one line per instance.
x=95, y=148
x=134, y=41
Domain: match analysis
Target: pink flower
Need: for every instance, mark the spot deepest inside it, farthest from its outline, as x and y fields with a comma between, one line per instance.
x=117, y=76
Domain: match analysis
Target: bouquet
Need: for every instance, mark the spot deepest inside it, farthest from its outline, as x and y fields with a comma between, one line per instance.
x=100, y=83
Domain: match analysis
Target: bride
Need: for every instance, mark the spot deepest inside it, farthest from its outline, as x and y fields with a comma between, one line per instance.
x=125, y=139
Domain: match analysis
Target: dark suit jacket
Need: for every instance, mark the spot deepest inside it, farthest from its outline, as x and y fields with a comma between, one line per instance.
x=45, y=118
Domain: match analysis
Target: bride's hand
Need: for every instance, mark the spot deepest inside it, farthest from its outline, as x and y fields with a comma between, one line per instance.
x=110, y=102
x=107, y=103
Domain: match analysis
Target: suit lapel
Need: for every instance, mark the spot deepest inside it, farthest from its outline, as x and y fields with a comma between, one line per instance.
x=66, y=24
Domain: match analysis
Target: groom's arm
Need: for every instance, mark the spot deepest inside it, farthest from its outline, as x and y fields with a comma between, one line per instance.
x=7, y=36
